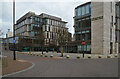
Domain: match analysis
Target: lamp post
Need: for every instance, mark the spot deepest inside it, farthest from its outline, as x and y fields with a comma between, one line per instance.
x=14, y=54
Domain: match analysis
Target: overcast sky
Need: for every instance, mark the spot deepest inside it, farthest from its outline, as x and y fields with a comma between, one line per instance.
x=63, y=9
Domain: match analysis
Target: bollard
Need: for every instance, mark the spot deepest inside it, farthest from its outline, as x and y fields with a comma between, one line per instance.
x=89, y=56
x=37, y=55
x=41, y=55
x=99, y=56
x=51, y=56
x=67, y=56
x=108, y=56
x=33, y=54
x=78, y=57
x=46, y=56
x=116, y=55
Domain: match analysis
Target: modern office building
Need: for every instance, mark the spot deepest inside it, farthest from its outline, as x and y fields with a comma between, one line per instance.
x=82, y=25
x=117, y=23
x=41, y=30
x=95, y=23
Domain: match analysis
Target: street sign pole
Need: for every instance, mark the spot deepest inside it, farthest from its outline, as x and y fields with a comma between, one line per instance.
x=83, y=43
x=14, y=54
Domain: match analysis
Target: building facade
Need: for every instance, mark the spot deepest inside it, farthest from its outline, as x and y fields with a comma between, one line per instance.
x=95, y=23
x=117, y=23
x=41, y=31
x=82, y=25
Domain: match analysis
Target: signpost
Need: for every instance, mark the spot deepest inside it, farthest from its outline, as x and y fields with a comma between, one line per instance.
x=83, y=43
x=14, y=54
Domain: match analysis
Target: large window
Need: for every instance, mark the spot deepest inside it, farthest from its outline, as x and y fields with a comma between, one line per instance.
x=87, y=9
x=79, y=11
x=83, y=10
x=76, y=12
x=45, y=28
x=88, y=47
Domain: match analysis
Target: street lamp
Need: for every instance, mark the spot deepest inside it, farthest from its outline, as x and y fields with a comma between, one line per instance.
x=14, y=55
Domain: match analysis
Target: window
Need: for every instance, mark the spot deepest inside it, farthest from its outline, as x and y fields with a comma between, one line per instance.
x=88, y=47
x=49, y=28
x=79, y=11
x=45, y=28
x=51, y=22
x=83, y=10
x=47, y=35
x=38, y=19
x=87, y=9
x=79, y=48
x=32, y=33
x=25, y=27
x=76, y=12
x=35, y=18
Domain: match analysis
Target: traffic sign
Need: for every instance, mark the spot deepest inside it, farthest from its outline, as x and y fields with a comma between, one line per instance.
x=14, y=41
x=83, y=43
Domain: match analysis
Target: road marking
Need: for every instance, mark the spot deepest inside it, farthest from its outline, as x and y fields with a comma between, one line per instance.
x=21, y=70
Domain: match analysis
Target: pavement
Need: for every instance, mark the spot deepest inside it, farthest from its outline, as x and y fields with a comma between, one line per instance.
x=62, y=67
x=15, y=66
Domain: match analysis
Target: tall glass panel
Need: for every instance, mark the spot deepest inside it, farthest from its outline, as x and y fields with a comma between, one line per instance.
x=76, y=12
x=83, y=10
x=79, y=11
x=87, y=9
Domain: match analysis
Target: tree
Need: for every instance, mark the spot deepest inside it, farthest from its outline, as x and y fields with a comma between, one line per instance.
x=1, y=33
x=40, y=39
x=63, y=38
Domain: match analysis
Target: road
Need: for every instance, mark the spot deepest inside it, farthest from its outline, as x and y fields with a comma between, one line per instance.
x=47, y=67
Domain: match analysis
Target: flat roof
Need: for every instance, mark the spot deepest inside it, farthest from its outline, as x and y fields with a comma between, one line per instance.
x=83, y=4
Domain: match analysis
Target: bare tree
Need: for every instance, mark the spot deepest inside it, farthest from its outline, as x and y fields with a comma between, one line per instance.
x=1, y=33
x=40, y=39
x=63, y=37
